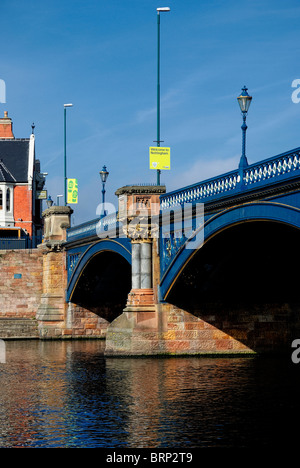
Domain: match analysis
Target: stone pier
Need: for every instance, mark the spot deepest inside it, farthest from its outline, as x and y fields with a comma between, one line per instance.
x=147, y=326
x=138, y=205
x=52, y=311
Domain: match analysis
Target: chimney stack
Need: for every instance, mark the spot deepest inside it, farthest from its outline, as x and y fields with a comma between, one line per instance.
x=6, y=127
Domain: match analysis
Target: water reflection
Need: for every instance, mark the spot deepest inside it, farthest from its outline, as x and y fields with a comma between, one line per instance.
x=67, y=394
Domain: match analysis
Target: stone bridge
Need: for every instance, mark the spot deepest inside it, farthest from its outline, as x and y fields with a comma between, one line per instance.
x=206, y=269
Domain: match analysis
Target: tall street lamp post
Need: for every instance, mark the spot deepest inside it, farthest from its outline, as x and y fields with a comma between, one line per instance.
x=159, y=10
x=244, y=101
x=103, y=175
x=57, y=199
x=65, y=149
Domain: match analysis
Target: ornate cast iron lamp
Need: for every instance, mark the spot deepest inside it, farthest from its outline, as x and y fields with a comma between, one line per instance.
x=103, y=175
x=244, y=101
x=49, y=202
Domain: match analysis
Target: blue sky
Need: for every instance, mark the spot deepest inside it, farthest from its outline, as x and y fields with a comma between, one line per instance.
x=100, y=55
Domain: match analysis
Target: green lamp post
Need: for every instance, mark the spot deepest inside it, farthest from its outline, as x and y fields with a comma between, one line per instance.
x=65, y=149
x=158, y=141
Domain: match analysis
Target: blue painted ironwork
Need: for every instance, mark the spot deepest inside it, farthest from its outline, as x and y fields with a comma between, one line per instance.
x=275, y=170
x=268, y=190
x=93, y=228
x=272, y=185
x=79, y=256
x=276, y=211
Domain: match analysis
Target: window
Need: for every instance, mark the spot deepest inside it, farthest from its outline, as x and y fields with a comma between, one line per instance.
x=8, y=199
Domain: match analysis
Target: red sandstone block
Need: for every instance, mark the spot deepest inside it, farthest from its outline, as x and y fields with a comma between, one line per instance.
x=176, y=326
x=208, y=325
x=145, y=336
x=92, y=320
x=177, y=345
x=76, y=323
x=186, y=335
x=141, y=346
x=169, y=335
x=194, y=325
x=157, y=345
x=238, y=346
x=190, y=317
x=205, y=334
x=174, y=318
x=223, y=344
x=219, y=334
x=205, y=345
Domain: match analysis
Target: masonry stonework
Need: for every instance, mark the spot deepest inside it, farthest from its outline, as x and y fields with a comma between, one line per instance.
x=21, y=283
x=56, y=318
x=165, y=329
x=82, y=323
x=20, y=293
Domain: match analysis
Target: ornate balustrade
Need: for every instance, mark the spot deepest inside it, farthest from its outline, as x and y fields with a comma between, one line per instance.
x=269, y=171
x=274, y=168
x=92, y=228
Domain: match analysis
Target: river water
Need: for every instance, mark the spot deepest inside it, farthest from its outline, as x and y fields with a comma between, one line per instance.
x=69, y=395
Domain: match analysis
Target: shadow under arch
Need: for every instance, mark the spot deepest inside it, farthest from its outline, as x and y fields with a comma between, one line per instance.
x=243, y=281
x=255, y=211
x=102, y=279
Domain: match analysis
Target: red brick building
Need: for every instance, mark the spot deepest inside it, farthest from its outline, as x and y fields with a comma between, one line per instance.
x=20, y=180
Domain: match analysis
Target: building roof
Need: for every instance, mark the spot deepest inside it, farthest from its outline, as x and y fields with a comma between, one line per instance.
x=14, y=158
x=5, y=174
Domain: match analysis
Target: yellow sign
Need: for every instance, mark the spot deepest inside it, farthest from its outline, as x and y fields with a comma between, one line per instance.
x=160, y=158
x=72, y=191
x=41, y=195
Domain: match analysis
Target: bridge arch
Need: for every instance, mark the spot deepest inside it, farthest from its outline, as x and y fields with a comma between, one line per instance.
x=250, y=212
x=101, y=279
x=243, y=280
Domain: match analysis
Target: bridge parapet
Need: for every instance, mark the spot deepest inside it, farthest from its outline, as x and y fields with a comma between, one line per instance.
x=274, y=170
x=273, y=177
x=93, y=228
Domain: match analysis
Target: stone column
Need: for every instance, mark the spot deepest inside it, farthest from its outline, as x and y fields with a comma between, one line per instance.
x=146, y=264
x=141, y=296
x=136, y=264
x=141, y=265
